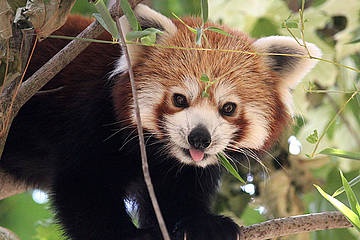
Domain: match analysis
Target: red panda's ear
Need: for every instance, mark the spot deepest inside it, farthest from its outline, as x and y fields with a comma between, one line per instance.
x=291, y=68
x=147, y=18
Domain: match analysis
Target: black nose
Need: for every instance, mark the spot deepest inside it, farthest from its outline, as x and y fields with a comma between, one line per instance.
x=199, y=138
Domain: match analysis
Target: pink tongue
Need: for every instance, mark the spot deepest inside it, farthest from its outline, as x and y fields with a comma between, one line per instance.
x=196, y=154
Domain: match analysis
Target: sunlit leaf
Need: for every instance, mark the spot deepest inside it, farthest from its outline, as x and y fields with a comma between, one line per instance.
x=204, y=10
x=218, y=30
x=313, y=138
x=340, y=153
x=350, y=215
x=223, y=160
x=290, y=24
x=204, y=78
x=354, y=203
x=105, y=19
x=130, y=16
x=139, y=34
x=352, y=183
x=190, y=28
x=149, y=39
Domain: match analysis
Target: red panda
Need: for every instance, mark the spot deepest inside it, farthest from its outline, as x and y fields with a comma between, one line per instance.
x=76, y=138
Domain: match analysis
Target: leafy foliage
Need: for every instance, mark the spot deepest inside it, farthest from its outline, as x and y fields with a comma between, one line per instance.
x=288, y=189
x=353, y=214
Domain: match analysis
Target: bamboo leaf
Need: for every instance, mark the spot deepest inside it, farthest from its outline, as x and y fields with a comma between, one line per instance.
x=218, y=30
x=290, y=24
x=139, y=34
x=105, y=19
x=199, y=33
x=98, y=18
x=352, y=183
x=149, y=39
x=204, y=11
x=130, y=36
x=313, y=138
x=223, y=160
x=354, y=203
x=204, y=78
x=350, y=215
x=341, y=153
x=130, y=16
x=190, y=28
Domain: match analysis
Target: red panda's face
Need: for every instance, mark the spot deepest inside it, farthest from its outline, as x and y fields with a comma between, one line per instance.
x=246, y=106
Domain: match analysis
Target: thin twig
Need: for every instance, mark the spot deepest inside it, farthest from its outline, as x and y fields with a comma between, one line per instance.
x=145, y=165
x=331, y=122
x=34, y=83
x=211, y=50
x=296, y=224
x=352, y=131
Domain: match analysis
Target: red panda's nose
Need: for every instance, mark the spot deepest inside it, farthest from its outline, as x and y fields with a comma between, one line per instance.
x=199, y=138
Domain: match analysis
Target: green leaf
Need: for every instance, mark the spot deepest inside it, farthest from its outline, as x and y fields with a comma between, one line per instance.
x=223, y=160
x=149, y=39
x=130, y=16
x=98, y=18
x=139, y=34
x=354, y=41
x=340, y=153
x=204, y=94
x=354, y=203
x=190, y=28
x=204, y=78
x=204, y=11
x=199, y=33
x=218, y=30
x=105, y=19
x=313, y=138
x=290, y=24
x=350, y=215
x=136, y=34
x=352, y=183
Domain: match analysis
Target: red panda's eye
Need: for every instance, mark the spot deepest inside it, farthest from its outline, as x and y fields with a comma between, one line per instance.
x=228, y=109
x=180, y=101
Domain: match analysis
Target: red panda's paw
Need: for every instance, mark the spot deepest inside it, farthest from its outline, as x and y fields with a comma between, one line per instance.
x=206, y=227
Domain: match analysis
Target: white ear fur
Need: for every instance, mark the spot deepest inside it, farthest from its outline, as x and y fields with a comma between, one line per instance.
x=147, y=18
x=291, y=69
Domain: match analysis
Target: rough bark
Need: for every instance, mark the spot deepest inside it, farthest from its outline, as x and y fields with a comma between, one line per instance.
x=6, y=234
x=295, y=224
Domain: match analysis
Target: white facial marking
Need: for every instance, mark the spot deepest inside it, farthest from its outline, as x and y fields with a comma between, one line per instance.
x=148, y=98
x=191, y=90
x=257, y=131
x=182, y=123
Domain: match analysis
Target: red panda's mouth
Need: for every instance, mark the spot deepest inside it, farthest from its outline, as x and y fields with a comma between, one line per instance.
x=195, y=155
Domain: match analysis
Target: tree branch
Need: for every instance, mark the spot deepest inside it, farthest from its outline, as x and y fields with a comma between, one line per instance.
x=47, y=72
x=144, y=160
x=295, y=224
x=6, y=234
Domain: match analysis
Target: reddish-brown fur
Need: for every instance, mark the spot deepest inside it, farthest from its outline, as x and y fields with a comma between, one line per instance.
x=255, y=82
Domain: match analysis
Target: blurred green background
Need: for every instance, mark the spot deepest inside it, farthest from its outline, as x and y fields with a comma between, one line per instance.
x=285, y=186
